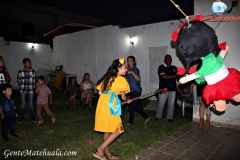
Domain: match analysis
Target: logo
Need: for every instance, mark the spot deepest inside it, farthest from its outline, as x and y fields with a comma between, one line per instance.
x=219, y=7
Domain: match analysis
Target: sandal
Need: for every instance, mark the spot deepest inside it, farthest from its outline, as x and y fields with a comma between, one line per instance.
x=147, y=120
x=112, y=156
x=97, y=155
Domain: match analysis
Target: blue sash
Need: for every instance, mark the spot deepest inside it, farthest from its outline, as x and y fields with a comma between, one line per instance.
x=113, y=111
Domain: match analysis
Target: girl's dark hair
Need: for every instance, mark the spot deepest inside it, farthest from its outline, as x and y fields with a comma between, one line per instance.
x=133, y=58
x=3, y=60
x=110, y=75
x=70, y=82
x=84, y=76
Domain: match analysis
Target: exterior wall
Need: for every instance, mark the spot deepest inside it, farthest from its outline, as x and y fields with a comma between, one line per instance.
x=77, y=53
x=94, y=50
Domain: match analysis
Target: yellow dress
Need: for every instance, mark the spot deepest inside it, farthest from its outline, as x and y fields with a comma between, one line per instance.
x=104, y=120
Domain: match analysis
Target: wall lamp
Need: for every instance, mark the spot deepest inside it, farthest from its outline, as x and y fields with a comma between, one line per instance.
x=131, y=40
x=33, y=45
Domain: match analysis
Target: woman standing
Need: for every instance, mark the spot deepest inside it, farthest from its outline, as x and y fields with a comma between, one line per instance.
x=134, y=79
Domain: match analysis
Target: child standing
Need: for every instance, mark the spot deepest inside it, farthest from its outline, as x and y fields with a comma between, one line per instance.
x=26, y=79
x=8, y=112
x=42, y=99
x=108, y=112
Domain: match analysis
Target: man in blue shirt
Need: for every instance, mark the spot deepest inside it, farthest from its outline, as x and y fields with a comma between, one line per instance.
x=167, y=76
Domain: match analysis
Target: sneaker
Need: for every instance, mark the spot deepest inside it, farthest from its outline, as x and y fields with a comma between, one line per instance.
x=33, y=120
x=40, y=122
x=20, y=120
x=14, y=135
x=6, y=139
x=53, y=120
x=170, y=120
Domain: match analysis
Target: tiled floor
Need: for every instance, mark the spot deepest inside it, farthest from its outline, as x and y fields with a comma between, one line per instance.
x=188, y=143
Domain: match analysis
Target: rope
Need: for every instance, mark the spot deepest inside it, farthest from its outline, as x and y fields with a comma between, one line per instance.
x=178, y=7
x=184, y=95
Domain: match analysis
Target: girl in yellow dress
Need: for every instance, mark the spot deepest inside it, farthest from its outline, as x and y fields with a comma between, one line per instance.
x=108, y=112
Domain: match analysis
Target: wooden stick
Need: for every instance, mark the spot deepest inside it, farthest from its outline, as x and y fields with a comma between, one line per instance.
x=147, y=95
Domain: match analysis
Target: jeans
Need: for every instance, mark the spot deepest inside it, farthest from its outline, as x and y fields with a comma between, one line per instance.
x=135, y=106
x=8, y=121
x=24, y=97
x=161, y=103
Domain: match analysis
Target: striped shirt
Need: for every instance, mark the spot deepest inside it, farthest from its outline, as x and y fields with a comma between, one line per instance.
x=26, y=80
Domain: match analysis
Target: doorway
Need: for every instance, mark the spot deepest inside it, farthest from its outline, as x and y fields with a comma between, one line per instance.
x=156, y=58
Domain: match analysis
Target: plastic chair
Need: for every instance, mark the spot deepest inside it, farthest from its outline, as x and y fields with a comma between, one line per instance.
x=184, y=96
x=93, y=99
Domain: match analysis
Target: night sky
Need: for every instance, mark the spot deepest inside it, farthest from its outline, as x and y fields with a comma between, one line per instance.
x=125, y=12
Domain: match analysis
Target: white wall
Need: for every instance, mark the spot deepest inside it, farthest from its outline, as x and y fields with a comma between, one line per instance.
x=17, y=51
x=77, y=53
x=94, y=50
x=229, y=32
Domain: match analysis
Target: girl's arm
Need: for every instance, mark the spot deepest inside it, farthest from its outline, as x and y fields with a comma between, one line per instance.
x=134, y=75
x=68, y=90
x=81, y=87
x=191, y=88
x=92, y=86
x=168, y=76
x=124, y=97
x=1, y=113
x=36, y=90
x=99, y=93
x=50, y=102
x=8, y=78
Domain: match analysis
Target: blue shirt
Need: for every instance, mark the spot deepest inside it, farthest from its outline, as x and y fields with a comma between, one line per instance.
x=134, y=84
x=8, y=105
x=170, y=84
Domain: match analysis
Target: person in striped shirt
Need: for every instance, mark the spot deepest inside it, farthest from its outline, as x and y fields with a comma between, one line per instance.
x=26, y=79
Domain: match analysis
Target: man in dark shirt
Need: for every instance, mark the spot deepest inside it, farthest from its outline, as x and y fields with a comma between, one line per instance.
x=167, y=76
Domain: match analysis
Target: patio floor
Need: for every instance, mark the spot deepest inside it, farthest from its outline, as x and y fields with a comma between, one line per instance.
x=188, y=143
